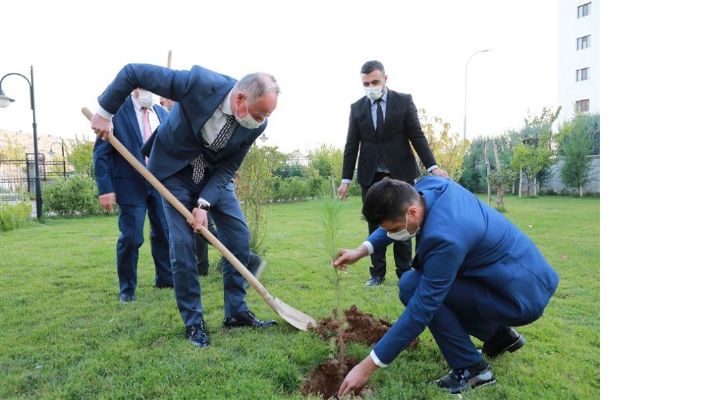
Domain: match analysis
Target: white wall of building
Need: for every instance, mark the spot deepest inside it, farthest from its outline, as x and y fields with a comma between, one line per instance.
x=571, y=59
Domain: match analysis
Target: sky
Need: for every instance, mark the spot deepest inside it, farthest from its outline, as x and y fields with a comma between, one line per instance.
x=314, y=49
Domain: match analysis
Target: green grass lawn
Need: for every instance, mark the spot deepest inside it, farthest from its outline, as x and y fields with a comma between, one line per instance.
x=65, y=335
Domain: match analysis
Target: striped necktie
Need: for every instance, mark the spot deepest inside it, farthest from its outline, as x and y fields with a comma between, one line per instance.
x=198, y=166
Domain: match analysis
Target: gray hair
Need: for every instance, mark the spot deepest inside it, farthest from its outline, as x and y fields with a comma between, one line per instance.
x=257, y=84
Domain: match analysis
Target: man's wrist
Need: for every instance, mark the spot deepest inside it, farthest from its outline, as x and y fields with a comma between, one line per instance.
x=346, y=181
x=203, y=204
x=433, y=167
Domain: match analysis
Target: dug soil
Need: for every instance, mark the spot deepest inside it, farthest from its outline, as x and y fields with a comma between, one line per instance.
x=325, y=379
x=361, y=327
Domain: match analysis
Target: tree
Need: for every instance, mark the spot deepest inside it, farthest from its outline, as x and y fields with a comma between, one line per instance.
x=254, y=183
x=578, y=143
x=12, y=150
x=81, y=155
x=448, y=149
x=328, y=161
x=534, y=156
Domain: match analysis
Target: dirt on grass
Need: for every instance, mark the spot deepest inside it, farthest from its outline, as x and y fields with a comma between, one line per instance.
x=326, y=378
x=361, y=327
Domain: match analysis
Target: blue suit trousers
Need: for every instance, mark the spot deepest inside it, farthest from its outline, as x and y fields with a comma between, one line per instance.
x=131, y=218
x=233, y=232
x=470, y=309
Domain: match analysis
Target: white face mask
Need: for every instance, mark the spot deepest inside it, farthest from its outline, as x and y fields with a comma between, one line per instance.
x=145, y=98
x=403, y=235
x=375, y=92
x=248, y=121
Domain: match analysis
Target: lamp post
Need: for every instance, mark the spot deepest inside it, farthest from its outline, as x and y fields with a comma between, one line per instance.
x=64, y=160
x=4, y=102
x=465, y=88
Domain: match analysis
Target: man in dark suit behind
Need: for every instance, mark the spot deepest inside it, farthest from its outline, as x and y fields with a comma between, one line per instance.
x=118, y=182
x=382, y=125
x=195, y=154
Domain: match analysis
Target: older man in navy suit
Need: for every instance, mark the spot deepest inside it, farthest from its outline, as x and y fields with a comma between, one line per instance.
x=474, y=273
x=195, y=154
x=119, y=183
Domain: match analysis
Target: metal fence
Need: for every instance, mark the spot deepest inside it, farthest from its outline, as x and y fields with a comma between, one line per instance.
x=17, y=177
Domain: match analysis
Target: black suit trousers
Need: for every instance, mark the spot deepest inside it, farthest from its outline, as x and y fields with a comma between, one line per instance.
x=402, y=250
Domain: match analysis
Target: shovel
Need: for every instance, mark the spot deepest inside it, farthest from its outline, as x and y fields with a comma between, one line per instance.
x=294, y=317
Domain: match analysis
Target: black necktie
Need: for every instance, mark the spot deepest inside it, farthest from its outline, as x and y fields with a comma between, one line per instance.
x=198, y=166
x=379, y=126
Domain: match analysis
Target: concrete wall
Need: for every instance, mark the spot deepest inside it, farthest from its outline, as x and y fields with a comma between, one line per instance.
x=554, y=182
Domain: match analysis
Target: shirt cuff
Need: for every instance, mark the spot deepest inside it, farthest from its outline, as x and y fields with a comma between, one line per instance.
x=377, y=360
x=348, y=181
x=104, y=113
x=370, y=247
x=431, y=168
x=203, y=201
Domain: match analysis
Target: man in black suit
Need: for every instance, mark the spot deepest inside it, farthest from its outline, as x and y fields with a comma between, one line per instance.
x=383, y=123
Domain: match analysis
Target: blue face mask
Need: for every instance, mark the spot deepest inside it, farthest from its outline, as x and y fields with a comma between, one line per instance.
x=403, y=234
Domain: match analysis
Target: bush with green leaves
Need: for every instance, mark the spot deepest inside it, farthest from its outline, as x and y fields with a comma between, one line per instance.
x=75, y=196
x=13, y=216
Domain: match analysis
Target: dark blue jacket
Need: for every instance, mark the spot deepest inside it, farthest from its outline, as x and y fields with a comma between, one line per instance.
x=178, y=141
x=463, y=238
x=113, y=172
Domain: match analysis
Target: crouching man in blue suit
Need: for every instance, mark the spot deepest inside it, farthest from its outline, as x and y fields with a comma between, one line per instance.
x=195, y=153
x=474, y=273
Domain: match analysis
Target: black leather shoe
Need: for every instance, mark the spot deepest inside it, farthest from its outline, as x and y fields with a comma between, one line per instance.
x=462, y=379
x=375, y=281
x=126, y=298
x=247, y=318
x=163, y=285
x=505, y=339
x=197, y=335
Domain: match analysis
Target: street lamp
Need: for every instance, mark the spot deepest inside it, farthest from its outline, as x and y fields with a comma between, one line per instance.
x=465, y=88
x=64, y=160
x=4, y=102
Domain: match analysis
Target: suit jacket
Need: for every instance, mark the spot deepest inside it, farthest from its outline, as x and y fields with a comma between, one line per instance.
x=463, y=238
x=178, y=141
x=392, y=146
x=113, y=173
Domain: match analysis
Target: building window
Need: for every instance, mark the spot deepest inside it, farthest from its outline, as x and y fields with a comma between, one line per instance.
x=583, y=10
x=581, y=106
x=583, y=42
x=582, y=74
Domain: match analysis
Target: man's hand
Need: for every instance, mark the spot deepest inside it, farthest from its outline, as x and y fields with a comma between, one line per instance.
x=343, y=190
x=357, y=377
x=107, y=200
x=102, y=127
x=439, y=172
x=199, y=219
x=346, y=257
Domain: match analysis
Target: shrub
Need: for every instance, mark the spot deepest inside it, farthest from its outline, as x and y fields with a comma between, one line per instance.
x=75, y=196
x=12, y=216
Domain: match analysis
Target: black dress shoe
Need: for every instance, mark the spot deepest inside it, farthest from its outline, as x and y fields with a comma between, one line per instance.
x=197, y=335
x=247, y=318
x=163, y=285
x=462, y=379
x=505, y=339
x=375, y=281
x=126, y=298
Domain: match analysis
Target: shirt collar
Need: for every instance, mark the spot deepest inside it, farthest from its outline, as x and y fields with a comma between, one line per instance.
x=384, y=97
x=226, y=103
x=137, y=106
